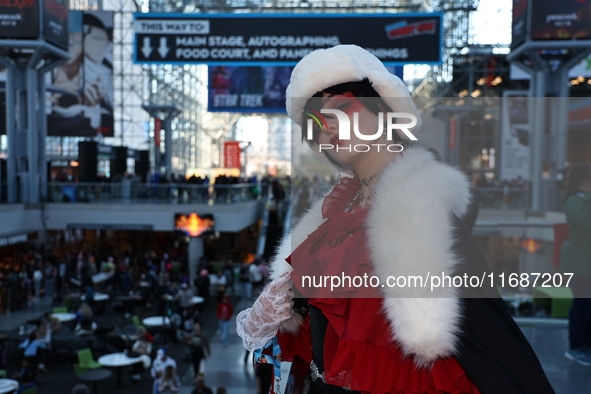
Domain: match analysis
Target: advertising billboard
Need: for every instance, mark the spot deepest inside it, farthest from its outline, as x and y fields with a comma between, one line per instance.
x=283, y=39
x=82, y=88
x=560, y=20
x=20, y=19
x=519, y=27
x=55, y=22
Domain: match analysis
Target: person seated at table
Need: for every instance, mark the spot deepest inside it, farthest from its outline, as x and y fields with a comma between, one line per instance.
x=143, y=346
x=169, y=382
x=84, y=312
x=85, y=327
x=32, y=346
x=26, y=367
x=54, y=324
x=25, y=383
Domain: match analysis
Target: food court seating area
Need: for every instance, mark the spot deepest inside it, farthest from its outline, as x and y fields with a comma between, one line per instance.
x=73, y=356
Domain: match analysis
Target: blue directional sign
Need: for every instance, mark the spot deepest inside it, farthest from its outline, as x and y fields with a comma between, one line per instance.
x=278, y=39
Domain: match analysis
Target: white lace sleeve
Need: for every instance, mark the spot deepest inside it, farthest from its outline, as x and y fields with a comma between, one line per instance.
x=250, y=342
x=259, y=324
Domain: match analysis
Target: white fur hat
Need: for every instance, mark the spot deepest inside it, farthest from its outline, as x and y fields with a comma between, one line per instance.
x=324, y=68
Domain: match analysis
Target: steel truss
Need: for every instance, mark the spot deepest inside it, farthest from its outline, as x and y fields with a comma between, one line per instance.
x=197, y=134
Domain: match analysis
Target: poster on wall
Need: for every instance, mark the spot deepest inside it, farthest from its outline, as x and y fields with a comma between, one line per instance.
x=82, y=88
x=515, y=152
x=560, y=20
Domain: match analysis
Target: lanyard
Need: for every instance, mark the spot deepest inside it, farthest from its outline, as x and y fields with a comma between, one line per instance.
x=262, y=356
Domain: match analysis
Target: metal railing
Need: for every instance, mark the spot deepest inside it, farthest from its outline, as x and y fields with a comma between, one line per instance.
x=141, y=193
x=503, y=197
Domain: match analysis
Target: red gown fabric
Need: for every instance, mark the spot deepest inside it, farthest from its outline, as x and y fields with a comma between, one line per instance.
x=359, y=351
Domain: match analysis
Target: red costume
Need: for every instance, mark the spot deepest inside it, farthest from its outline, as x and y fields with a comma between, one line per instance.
x=358, y=338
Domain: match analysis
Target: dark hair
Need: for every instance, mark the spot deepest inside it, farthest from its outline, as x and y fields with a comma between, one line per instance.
x=94, y=21
x=435, y=154
x=575, y=178
x=361, y=88
x=32, y=336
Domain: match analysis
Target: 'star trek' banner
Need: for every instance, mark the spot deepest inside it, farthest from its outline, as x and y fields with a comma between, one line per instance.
x=280, y=39
x=253, y=88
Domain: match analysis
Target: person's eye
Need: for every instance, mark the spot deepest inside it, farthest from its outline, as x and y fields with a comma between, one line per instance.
x=342, y=106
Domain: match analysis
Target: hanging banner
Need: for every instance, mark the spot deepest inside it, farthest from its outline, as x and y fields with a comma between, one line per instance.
x=232, y=154
x=82, y=100
x=55, y=22
x=253, y=88
x=519, y=27
x=157, y=129
x=515, y=152
x=283, y=39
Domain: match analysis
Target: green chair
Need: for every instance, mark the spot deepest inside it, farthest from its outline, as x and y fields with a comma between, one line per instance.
x=79, y=369
x=86, y=359
x=60, y=309
x=135, y=319
x=30, y=390
x=3, y=374
x=69, y=304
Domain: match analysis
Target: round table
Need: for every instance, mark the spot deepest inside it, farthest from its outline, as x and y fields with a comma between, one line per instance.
x=197, y=300
x=102, y=276
x=118, y=360
x=8, y=385
x=156, y=321
x=97, y=297
x=64, y=317
x=95, y=375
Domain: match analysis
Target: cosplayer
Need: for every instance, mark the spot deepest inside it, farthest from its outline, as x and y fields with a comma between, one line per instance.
x=400, y=213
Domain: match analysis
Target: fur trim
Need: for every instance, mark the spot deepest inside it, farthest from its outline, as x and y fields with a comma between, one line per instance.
x=410, y=233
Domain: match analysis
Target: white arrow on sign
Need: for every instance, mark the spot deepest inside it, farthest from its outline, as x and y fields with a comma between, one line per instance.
x=163, y=49
x=147, y=48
